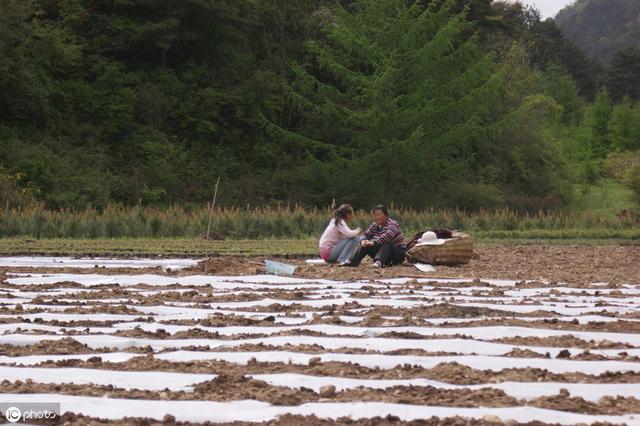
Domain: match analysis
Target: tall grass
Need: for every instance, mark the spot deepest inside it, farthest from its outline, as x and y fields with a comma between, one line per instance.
x=297, y=222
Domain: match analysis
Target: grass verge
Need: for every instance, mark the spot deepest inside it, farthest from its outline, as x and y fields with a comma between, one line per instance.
x=260, y=247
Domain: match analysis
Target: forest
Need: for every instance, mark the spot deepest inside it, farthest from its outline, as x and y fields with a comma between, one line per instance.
x=420, y=103
x=601, y=27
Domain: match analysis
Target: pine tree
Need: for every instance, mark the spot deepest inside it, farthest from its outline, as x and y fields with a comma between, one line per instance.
x=560, y=86
x=623, y=74
x=600, y=120
x=402, y=98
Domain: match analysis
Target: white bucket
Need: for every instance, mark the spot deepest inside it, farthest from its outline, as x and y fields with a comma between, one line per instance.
x=277, y=268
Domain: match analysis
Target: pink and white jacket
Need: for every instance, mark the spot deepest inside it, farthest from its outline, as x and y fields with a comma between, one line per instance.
x=333, y=235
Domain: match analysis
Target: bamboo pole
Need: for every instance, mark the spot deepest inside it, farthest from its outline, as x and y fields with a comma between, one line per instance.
x=213, y=206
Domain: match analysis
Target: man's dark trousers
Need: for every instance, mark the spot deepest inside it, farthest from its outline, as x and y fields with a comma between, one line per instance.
x=387, y=254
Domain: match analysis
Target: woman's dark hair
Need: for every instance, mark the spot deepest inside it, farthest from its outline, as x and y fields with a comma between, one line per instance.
x=342, y=212
x=380, y=208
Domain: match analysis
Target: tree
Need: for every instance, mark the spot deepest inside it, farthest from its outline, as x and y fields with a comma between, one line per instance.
x=601, y=27
x=400, y=103
x=600, y=118
x=623, y=75
x=547, y=46
x=35, y=54
x=625, y=126
x=394, y=91
x=423, y=102
x=561, y=87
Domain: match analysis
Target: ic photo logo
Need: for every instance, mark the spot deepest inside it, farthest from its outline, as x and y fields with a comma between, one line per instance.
x=38, y=412
x=13, y=414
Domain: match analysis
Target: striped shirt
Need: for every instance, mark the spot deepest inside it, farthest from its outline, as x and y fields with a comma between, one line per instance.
x=390, y=232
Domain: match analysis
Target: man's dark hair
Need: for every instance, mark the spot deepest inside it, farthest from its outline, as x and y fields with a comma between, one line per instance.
x=380, y=208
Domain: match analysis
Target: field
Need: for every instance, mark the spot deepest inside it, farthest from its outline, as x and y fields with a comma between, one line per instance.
x=281, y=248
x=158, y=158
x=525, y=334
x=296, y=222
x=171, y=247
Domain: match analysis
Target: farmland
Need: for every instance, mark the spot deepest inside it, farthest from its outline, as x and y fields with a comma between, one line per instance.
x=167, y=169
x=179, y=247
x=158, y=247
x=125, y=339
x=113, y=315
x=278, y=231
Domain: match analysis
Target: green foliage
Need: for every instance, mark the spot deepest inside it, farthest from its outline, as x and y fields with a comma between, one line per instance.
x=406, y=102
x=608, y=196
x=625, y=168
x=562, y=88
x=547, y=46
x=535, y=171
x=625, y=126
x=141, y=101
x=623, y=73
x=297, y=222
x=600, y=120
x=601, y=27
x=471, y=104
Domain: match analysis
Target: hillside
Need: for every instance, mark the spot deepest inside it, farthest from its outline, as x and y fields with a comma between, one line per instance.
x=148, y=103
x=602, y=27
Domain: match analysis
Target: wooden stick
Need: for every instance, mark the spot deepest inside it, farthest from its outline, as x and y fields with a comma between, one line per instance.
x=213, y=206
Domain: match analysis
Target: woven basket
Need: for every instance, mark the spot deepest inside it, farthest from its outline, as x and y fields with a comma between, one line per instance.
x=455, y=251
